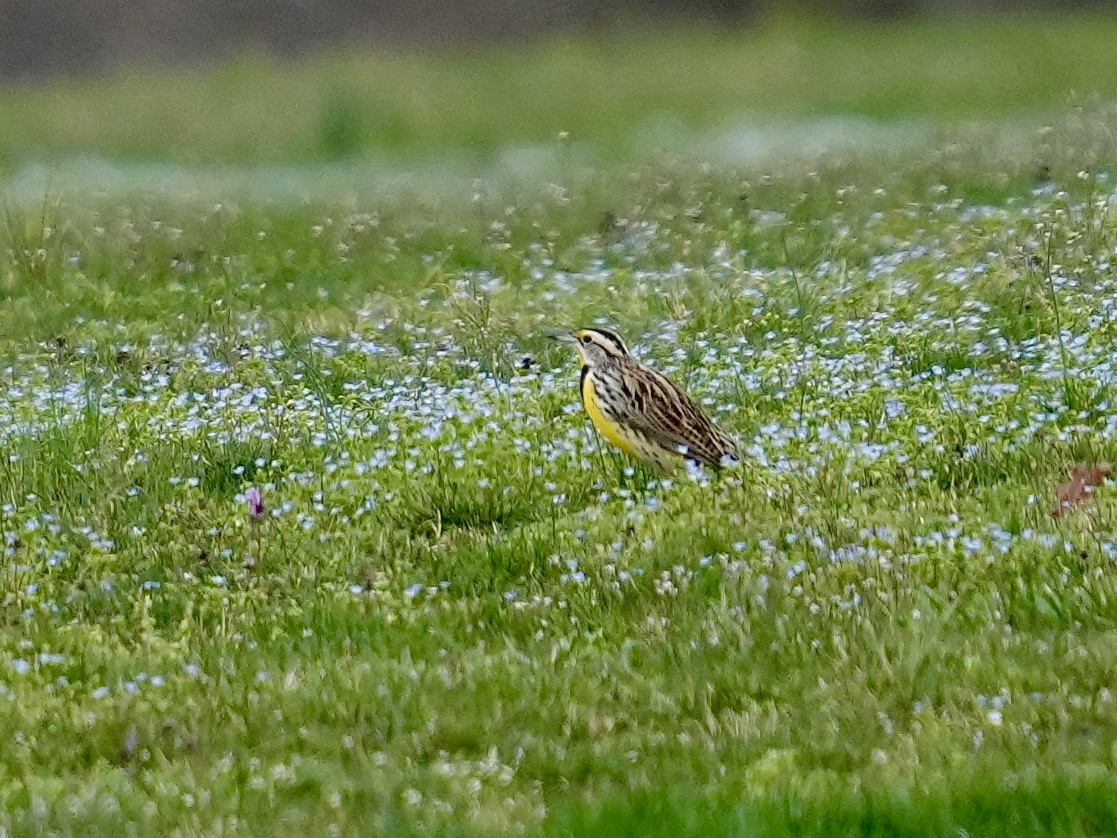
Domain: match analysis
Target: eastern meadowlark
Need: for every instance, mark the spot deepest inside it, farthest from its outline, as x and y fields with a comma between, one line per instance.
x=641, y=411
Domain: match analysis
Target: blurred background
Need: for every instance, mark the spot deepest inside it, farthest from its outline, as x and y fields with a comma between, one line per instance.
x=520, y=84
x=48, y=37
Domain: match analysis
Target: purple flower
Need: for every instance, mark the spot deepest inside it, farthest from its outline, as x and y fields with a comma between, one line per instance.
x=255, y=500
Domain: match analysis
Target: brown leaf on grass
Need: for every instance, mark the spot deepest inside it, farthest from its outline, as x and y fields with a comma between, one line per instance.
x=1078, y=489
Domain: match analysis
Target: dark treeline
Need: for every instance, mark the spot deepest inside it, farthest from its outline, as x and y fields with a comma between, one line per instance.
x=40, y=38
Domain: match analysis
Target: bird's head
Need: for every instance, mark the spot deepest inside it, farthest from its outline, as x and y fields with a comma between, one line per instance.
x=595, y=346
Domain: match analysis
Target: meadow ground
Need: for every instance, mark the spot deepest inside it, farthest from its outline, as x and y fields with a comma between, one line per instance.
x=458, y=613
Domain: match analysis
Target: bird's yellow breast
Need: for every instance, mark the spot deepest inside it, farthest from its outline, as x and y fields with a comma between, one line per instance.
x=609, y=429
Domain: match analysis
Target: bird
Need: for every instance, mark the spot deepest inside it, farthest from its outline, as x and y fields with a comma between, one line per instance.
x=641, y=411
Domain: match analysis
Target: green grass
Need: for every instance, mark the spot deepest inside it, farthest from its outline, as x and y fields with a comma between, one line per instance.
x=616, y=95
x=460, y=613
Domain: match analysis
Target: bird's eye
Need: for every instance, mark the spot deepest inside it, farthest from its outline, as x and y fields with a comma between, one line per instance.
x=587, y=339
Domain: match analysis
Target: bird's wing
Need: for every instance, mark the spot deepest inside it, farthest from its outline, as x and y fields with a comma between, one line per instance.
x=671, y=418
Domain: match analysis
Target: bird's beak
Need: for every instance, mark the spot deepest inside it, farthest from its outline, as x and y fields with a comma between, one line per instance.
x=564, y=337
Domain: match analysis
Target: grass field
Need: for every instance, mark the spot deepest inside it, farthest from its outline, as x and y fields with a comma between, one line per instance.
x=617, y=97
x=457, y=612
